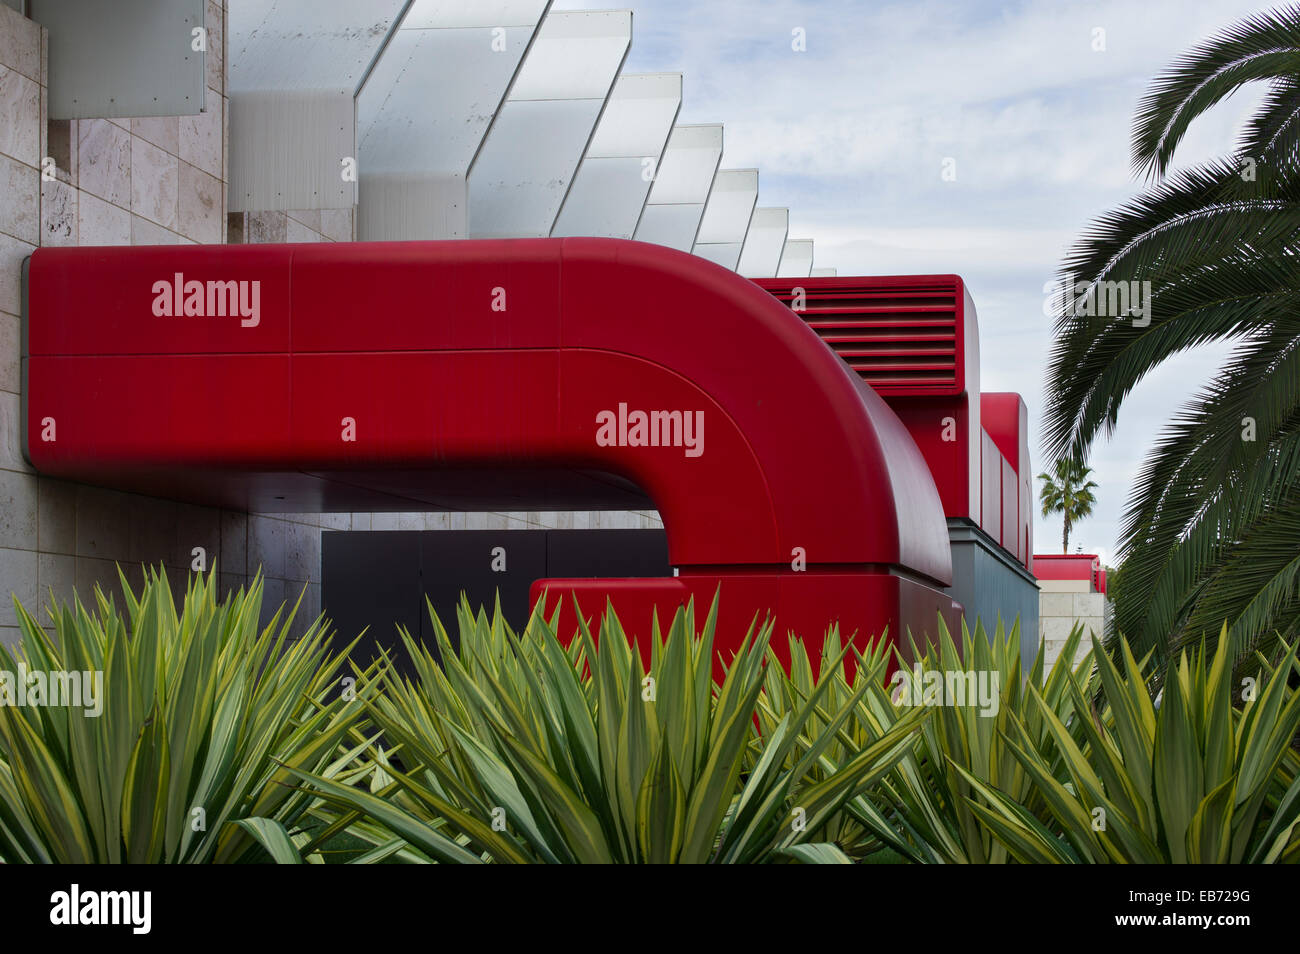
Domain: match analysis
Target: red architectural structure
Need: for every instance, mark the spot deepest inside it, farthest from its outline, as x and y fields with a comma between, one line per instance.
x=524, y=374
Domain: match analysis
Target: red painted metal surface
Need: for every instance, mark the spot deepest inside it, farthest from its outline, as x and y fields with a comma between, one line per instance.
x=915, y=340
x=1005, y=418
x=1071, y=566
x=478, y=375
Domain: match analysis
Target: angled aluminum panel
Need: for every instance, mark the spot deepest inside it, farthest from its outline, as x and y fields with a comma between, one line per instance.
x=823, y=273
x=426, y=107
x=727, y=216
x=796, y=259
x=521, y=175
x=763, y=243
x=294, y=73
x=681, y=188
x=614, y=179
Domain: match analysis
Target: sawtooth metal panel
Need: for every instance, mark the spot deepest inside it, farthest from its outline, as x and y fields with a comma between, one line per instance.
x=521, y=175
x=681, y=188
x=614, y=179
x=797, y=259
x=426, y=108
x=763, y=243
x=125, y=58
x=295, y=70
x=727, y=216
x=823, y=273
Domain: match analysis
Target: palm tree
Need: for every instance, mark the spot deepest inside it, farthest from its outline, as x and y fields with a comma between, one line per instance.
x=1212, y=527
x=1067, y=492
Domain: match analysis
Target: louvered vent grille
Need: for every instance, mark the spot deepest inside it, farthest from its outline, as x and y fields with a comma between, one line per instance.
x=895, y=338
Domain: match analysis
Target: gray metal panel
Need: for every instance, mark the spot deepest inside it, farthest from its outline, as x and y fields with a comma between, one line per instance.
x=125, y=58
x=549, y=117
x=763, y=243
x=425, y=109
x=614, y=179
x=823, y=273
x=796, y=259
x=294, y=73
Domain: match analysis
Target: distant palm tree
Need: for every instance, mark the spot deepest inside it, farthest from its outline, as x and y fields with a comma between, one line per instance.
x=1212, y=527
x=1067, y=491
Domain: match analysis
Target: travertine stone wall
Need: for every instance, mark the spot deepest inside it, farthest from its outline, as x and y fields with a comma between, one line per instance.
x=1062, y=604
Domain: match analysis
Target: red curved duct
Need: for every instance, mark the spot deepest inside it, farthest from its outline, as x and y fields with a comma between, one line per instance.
x=474, y=374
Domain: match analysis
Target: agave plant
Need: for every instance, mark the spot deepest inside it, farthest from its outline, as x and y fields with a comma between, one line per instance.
x=1197, y=780
x=202, y=714
x=920, y=808
x=518, y=749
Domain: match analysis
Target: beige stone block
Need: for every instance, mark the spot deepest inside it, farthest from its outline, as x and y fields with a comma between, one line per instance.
x=10, y=353
x=1089, y=604
x=336, y=224
x=336, y=521
x=456, y=521
x=361, y=521
x=17, y=510
x=144, y=232
x=437, y=521
x=200, y=205
x=1065, y=586
x=383, y=521
x=1056, y=604
x=56, y=516
x=162, y=131
x=295, y=231
x=18, y=577
x=20, y=43
x=155, y=183
x=12, y=253
x=58, y=213
x=308, y=217
x=20, y=206
x=265, y=227
x=201, y=136
x=20, y=117
x=102, y=223
x=215, y=57
x=104, y=160
x=11, y=434
x=1055, y=628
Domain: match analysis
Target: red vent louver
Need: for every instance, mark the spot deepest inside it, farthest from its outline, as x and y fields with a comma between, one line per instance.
x=898, y=334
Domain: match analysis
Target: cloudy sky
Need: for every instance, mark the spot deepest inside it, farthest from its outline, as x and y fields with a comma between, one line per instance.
x=853, y=133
